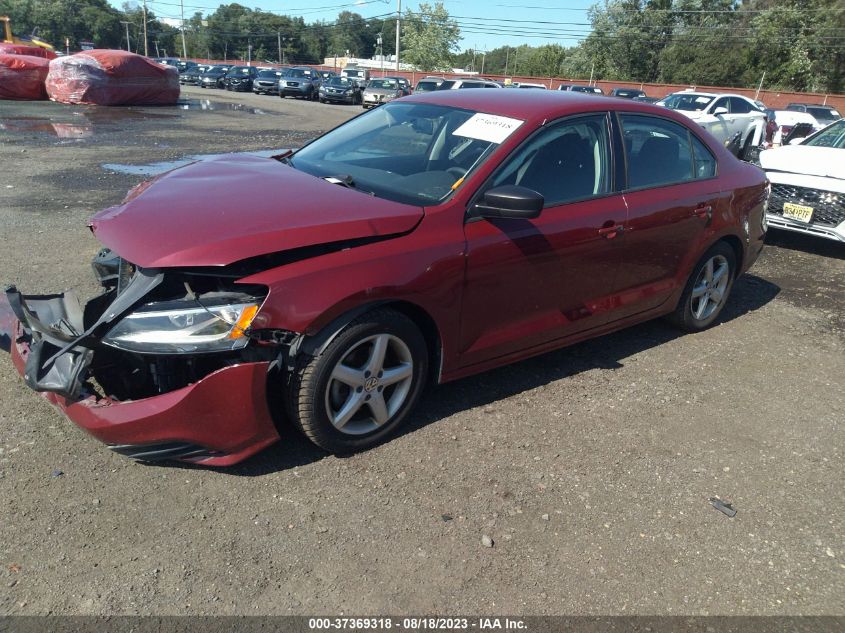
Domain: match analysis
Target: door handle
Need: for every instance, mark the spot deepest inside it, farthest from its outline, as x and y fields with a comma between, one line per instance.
x=611, y=231
x=704, y=211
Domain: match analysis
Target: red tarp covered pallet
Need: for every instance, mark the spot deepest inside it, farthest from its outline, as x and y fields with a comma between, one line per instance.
x=21, y=49
x=112, y=77
x=22, y=77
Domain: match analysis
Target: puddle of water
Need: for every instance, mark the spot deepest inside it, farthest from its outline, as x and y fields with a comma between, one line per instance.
x=154, y=169
x=218, y=106
x=59, y=130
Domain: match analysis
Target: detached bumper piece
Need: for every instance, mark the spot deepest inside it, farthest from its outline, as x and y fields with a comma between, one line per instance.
x=52, y=323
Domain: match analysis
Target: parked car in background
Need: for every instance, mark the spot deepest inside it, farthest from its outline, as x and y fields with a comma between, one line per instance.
x=808, y=184
x=404, y=84
x=529, y=86
x=824, y=114
x=325, y=75
x=267, y=81
x=456, y=84
x=341, y=90
x=213, y=77
x=645, y=99
x=576, y=88
x=786, y=125
x=359, y=75
x=428, y=84
x=736, y=121
x=464, y=230
x=240, y=78
x=190, y=76
x=627, y=93
x=381, y=90
x=300, y=81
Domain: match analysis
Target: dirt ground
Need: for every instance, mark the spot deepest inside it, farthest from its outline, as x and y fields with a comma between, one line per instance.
x=590, y=468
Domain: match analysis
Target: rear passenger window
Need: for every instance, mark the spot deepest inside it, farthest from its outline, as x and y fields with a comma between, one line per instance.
x=657, y=151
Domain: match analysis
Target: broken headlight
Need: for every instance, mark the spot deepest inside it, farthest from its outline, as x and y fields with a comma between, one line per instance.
x=184, y=327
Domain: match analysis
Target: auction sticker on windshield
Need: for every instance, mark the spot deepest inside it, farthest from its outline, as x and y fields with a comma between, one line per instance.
x=488, y=127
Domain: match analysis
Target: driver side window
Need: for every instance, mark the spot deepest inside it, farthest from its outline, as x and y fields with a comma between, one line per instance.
x=568, y=161
x=721, y=103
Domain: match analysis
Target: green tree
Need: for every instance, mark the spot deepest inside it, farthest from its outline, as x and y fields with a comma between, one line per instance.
x=429, y=37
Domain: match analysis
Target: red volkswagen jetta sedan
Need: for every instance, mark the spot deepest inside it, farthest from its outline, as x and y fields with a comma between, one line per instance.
x=435, y=237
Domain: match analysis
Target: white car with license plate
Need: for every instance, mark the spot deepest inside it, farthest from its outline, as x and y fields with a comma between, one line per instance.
x=808, y=184
x=738, y=122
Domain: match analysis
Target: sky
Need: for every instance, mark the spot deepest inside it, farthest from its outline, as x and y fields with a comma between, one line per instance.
x=485, y=24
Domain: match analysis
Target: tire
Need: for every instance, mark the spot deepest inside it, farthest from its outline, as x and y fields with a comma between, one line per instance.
x=322, y=100
x=699, y=307
x=316, y=395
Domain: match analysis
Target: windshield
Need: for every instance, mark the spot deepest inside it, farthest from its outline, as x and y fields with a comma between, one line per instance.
x=688, y=102
x=427, y=86
x=383, y=84
x=269, y=74
x=832, y=136
x=411, y=153
x=342, y=82
x=298, y=72
x=823, y=114
x=353, y=73
x=238, y=70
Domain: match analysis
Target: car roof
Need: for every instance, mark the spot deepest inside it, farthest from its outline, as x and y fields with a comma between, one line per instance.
x=533, y=104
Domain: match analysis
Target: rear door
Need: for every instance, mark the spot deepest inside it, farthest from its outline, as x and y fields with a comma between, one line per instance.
x=672, y=193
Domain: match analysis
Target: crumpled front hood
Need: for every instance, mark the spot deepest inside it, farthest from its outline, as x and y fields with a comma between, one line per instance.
x=805, y=159
x=216, y=212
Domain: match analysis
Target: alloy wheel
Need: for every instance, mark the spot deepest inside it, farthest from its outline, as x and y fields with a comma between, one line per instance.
x=710, y=288
x=369, y=384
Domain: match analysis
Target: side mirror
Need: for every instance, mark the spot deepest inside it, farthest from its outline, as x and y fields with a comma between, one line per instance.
x=510, y=201
x=719, y=111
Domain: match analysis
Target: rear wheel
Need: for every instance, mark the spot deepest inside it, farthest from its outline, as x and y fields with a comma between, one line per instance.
x=707, y=289
x=362, y=387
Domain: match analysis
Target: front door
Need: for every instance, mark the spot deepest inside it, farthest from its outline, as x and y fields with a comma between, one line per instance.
x=532, y=281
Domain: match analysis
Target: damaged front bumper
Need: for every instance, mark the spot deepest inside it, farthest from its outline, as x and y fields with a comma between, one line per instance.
x=217, y=415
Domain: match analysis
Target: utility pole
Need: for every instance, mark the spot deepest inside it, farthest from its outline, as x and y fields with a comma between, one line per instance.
x=249, y=53
x=126, y=24
x=380, y=53
x=483, y=59
x=146, y=51
x=279, y=36
x=157, y=53
x=507, y=55
x=184, y=47
x=398, y=18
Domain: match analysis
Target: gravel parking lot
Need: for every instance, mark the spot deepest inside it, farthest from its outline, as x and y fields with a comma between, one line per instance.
x=591, y=468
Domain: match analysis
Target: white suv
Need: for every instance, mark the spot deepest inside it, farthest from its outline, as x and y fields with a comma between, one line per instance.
x=736, y=121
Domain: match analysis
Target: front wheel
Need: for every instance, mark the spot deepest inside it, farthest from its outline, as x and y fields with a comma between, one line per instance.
x=363, y=385
x=707, y=289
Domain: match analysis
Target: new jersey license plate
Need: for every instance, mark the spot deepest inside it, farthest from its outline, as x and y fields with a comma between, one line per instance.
x=797, y=212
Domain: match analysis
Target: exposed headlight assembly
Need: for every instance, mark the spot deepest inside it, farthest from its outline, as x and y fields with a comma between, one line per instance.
x=184, y=327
